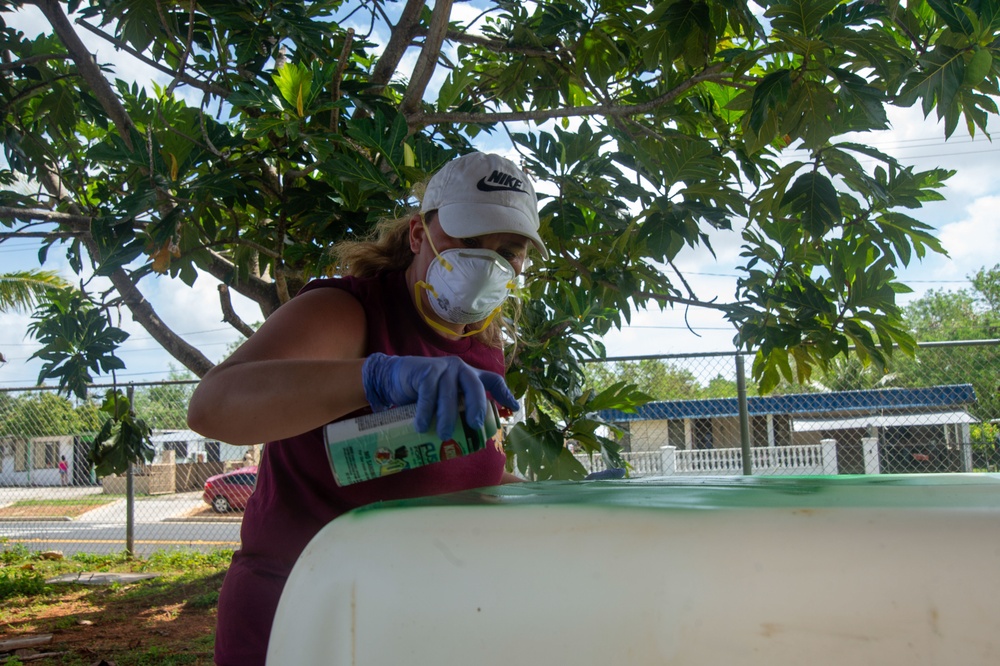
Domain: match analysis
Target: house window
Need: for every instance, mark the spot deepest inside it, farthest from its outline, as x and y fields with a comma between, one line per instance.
x=21, y=457
x=703, y=436
x=45, y=455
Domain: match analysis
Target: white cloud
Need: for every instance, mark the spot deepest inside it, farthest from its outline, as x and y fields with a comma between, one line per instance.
x=973, y=241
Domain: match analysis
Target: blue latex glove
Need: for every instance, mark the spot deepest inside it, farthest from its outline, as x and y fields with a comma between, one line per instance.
x=434, y=384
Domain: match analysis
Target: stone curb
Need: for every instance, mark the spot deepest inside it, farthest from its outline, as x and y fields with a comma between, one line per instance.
x=204, y=519
x=101, y=578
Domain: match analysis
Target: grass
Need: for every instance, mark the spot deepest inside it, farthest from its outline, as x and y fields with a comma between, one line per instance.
x=168, y=620
x=93, y=501
x=21, y=583
x=53, y=508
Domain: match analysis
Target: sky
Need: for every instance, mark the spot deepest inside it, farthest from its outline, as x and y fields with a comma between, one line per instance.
x=966, y=224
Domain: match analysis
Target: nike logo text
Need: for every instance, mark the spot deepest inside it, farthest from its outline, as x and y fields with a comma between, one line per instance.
x=498, y=181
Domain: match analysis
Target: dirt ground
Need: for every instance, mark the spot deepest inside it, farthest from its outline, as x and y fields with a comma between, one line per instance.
x=47, y=510
x=162, y=622
x=74, y=510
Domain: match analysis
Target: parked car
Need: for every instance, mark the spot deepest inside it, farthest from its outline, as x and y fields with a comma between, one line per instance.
x=225, y=492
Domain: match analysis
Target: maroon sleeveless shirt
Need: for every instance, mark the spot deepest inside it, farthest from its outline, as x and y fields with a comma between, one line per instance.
x=296, y=494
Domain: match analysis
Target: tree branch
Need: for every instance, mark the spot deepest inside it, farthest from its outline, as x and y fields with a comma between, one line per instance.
x=91, y=73
x=7, y=66
x=663, y=298
x=402, y=34
x=417, y=120
x=496, y=45
x=260, y=291
x=9, y=213
x=338, y=76
x=184, y=78
x=229, y=315
x=427, y=61
x=142, y=312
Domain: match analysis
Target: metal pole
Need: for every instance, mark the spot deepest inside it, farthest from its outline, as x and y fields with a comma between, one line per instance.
x=741, y=398
x=130, y=497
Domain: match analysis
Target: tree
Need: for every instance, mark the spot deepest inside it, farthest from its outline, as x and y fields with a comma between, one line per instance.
x=46, y=414
x=77, y=340
x=165, y=405
x=22, y=290
x=965, y=314
x=279, y=128
x=942, y=316
x=658, y=379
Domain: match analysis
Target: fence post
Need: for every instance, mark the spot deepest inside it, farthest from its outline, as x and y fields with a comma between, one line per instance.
x=828, y=454
x=741, y=397
x=870, y=447
x=130, y=496
x=668, y=460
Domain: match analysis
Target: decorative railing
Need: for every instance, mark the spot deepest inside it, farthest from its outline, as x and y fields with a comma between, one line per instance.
x=669, y=461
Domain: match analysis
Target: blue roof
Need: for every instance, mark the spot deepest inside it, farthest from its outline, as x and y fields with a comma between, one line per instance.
x=873, y=400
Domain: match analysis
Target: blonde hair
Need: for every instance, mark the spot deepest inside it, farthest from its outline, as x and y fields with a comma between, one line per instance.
x=387, y=248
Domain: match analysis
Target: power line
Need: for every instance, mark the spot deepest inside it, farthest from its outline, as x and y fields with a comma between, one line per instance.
x=142, y=338
x=734, y=275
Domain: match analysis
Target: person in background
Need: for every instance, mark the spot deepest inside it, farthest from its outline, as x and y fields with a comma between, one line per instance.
x=63, y=471
x=414, y=319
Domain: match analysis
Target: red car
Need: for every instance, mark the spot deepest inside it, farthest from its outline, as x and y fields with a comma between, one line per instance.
x=225, y=492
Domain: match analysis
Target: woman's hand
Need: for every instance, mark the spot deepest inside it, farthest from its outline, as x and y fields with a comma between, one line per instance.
x=434, y=384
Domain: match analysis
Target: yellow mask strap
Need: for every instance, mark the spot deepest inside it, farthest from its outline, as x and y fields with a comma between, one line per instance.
x=444, y=262
x=417, y=297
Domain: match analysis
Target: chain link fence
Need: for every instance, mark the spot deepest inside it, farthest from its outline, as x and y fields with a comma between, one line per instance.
x=50, y=497
x=934, y=413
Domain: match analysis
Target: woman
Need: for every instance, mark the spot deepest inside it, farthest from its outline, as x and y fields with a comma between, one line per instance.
x=414, y=322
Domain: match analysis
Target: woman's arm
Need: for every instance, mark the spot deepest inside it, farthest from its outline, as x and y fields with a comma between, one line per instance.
x=300, y=370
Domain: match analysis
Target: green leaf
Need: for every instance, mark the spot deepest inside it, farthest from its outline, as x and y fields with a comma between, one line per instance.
x=814, y=199
x=294, y=82
x=771, y=92
x=952, y=14
x=799, y=16
x=124, y=439
x=936, y=83
x=77, y=339
x=978, y=67
x=811, y=107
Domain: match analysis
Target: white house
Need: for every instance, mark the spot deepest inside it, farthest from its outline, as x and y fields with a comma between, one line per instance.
x=840, y=432
x=35, y=461
x=188, y=447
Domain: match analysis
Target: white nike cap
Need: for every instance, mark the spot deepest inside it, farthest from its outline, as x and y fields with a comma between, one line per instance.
x=482, y=193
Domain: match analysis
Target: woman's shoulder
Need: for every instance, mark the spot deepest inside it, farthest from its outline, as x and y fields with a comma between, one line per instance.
x=359, y=287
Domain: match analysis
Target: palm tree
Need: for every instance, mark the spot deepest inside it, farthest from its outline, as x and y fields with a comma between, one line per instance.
x=21, y=291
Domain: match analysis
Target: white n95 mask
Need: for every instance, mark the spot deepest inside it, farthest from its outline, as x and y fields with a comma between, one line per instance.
x=467, y=285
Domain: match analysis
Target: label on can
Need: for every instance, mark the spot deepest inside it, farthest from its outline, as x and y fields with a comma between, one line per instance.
x=383, y=443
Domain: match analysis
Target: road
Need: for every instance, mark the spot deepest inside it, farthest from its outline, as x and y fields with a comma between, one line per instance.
x=74, y=537
x=160, y=524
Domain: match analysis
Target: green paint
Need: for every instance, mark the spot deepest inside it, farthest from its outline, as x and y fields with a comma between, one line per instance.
x=917, y=491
